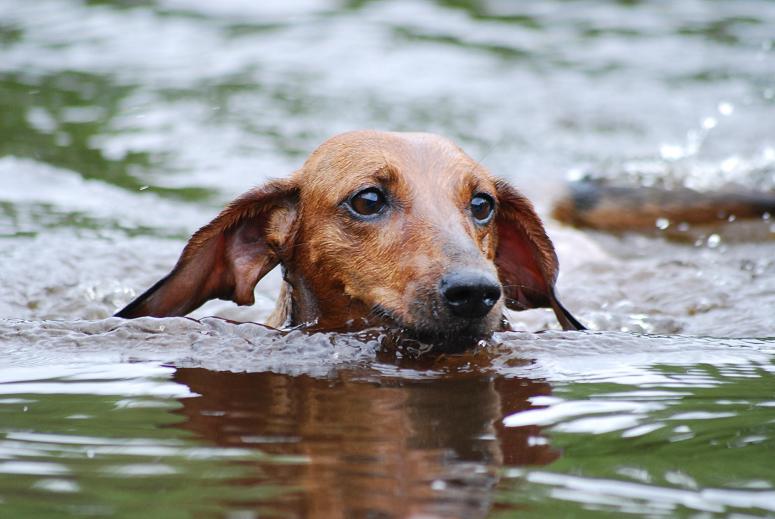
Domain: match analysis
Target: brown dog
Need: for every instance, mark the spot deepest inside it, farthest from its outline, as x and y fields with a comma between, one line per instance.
x=376, y=228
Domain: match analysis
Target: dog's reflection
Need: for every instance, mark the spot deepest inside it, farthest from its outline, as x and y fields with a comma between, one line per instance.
x=374, y=446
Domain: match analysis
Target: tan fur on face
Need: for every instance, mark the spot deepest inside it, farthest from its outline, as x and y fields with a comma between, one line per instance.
x=345, y=271
x=398, y=260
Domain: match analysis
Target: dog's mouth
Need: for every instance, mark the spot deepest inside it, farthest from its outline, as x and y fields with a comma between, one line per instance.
x=443, y=334
x=402, y=343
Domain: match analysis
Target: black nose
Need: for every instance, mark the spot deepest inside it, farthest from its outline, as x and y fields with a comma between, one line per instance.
x=470, y=294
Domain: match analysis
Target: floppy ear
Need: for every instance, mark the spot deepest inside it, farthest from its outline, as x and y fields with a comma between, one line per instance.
x=525, y=258
x=228, y=256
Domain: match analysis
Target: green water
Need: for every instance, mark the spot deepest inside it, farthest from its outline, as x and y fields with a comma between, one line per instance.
x=124, y=126
x=686, y=458
x=356, y=444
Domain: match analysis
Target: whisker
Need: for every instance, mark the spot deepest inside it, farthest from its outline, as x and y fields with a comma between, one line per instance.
x=516, y=286
x=478, y=162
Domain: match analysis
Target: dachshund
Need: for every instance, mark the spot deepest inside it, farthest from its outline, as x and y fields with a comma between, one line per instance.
x=377, y=228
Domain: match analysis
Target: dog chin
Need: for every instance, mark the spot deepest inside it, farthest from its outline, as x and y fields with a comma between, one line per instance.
x=443, y=334
x=450, y=339
x=416, y=344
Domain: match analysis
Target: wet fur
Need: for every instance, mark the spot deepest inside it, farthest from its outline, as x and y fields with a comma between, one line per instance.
x=342, y=273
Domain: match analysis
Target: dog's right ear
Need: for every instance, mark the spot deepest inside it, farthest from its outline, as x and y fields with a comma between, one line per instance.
x=228, y=256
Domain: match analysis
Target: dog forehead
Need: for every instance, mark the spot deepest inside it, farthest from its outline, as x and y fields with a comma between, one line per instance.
x=355, y=159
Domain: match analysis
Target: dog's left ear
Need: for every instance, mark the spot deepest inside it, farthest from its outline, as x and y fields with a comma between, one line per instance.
x=228, y=256
x=525, y=258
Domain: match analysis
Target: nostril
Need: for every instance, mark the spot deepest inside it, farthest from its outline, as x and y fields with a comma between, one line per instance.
x=458, y=293
x=491, y=294
x=470, y=294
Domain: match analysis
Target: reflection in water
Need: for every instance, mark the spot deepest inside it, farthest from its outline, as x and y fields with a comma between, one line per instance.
x=375, y=447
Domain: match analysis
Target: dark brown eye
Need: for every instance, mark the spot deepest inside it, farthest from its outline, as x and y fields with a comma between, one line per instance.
x=368, y=202
x=482, y=207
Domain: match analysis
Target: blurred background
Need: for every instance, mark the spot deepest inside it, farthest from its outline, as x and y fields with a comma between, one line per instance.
x=125, y=125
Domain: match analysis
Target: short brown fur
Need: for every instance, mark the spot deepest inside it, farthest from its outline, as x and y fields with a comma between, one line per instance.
x=344, y=272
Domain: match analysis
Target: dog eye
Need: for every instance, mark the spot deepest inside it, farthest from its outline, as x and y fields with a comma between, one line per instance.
x=482, y=207
x=367, y=202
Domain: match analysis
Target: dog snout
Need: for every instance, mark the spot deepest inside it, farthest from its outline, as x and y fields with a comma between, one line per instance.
x=470, y=294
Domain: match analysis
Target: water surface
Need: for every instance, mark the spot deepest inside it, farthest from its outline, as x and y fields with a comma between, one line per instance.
x=126, y=125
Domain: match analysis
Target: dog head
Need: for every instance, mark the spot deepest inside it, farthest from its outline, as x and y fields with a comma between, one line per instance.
x=375, y=228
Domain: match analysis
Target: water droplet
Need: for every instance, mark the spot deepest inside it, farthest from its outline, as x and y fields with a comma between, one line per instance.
x=714, y=240
x=671, y=152
x=143, y=188
x=662, y=223
x=709, y=123
x=575, y=174
x=725, y=108
x=728, y=165
x=439, y=485
x=731, y=218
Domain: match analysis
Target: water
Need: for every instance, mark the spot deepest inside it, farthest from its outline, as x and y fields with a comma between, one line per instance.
x=126, y=125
